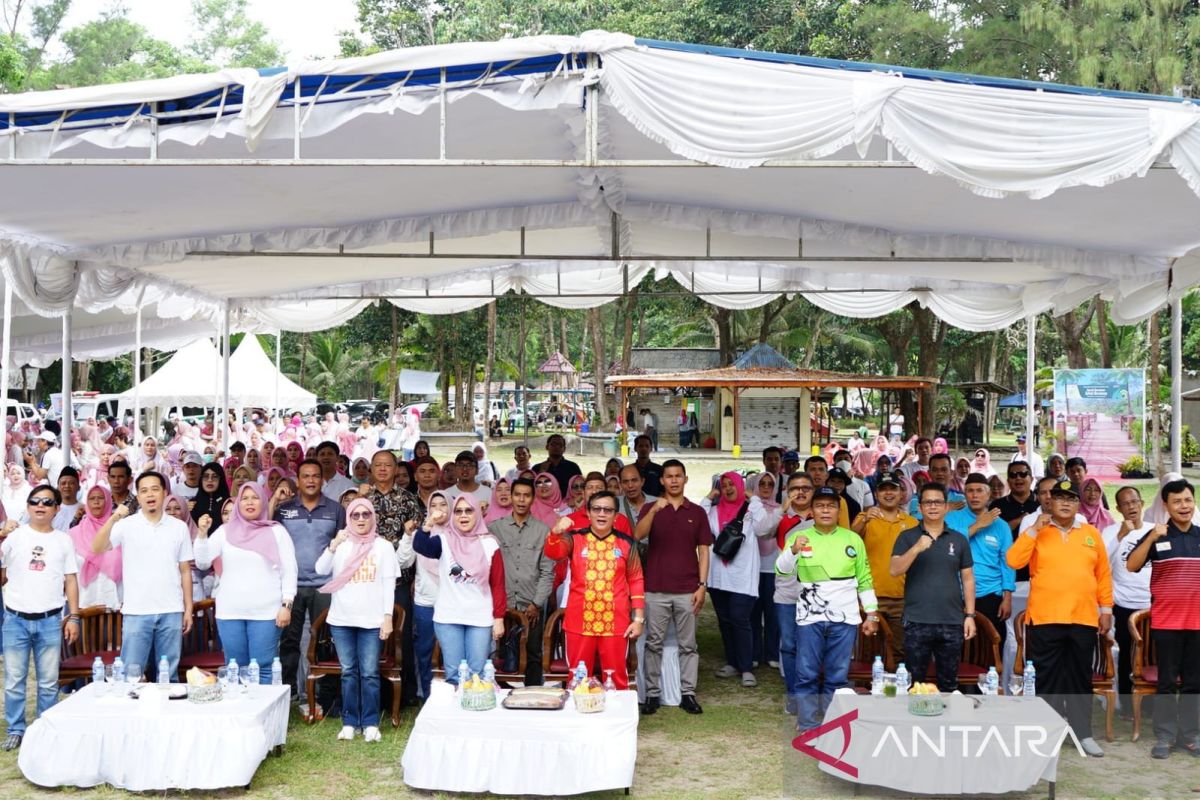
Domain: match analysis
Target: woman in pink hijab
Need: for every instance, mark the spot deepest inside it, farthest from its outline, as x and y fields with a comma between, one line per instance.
x=983, y=463
x=425, y=589
x=258, y=579
x=500, y=505
x=202, y=580
x=99, y=575
x=941, y=446
x=1091, y=504
x=548, y=504
x=363, y=565
x=733, y=583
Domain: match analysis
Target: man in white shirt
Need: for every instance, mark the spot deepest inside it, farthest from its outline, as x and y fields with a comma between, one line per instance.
x=524, y=462
x=1131, y=590
x=156, y=554
x=71, y=509
x=51, y=459
x=189, y=484
x=465, y=469
x=1036, y=465
x=336, y=484
x=924, y=449
x=39, y=563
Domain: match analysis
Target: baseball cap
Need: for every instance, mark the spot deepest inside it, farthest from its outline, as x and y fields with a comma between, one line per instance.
x=888, y=480
x=48, y=436
x=825, y=491
x=791, y=455
x=1064, y=489
x=839, y=473
x=1021, y=438
x=192, y=457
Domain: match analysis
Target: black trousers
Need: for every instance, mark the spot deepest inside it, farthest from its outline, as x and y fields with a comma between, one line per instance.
x=989, y=606
x=1062, y=654
x=306, y=607
x=1177, y=721
x=1124, y=638
x=942, y=643
x=408, y=669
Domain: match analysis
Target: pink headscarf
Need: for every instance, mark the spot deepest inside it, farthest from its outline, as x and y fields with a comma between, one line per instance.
x=864, y=462
x=547, y=510
x=495, y=510
x=956, y=480
x=361, y=544
x=466, y=547
x=253, y=534
x=983, y=464
x=940, y=446
x=82, y=534
x=1097, y=515
x=429, y=565
x=727, y=510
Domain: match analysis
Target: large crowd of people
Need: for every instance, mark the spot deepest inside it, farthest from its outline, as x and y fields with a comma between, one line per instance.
x=282, y=521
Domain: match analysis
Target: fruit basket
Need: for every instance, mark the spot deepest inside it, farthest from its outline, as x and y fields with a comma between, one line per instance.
x=478, y=695
x=925, y=701
x=202, y=687
x=589, y=697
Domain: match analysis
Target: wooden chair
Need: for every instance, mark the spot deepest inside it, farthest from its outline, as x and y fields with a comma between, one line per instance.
x=1102, y=680
x=514, y=626
x=1019, y=635
x=979, y=653
x=99, y=635
x=326, y=663
x=202, y=647
x=554, y=653
x=1145, y=665
x=865, y=650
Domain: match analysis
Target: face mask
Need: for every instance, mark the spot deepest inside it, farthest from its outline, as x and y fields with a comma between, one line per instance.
x=208, y=458
x=844, y=466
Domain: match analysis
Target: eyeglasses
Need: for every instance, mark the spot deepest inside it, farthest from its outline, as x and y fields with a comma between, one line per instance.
x=799, y=489
x=603, y=509
x=45, y=502
x=361, y=515
x=1018, y=474
x=934, y=503
x=464, y=511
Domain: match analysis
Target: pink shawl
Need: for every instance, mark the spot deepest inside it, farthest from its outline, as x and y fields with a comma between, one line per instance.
x=1096, y=515
x=547, y=510
x=727, y=510
x=495, y=510
x=82, y=534
x=361, y=544
x=466, y=547
x=253, y=534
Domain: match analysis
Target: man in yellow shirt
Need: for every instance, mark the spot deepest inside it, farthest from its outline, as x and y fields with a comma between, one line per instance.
x=1070, y=595
x=880, y=526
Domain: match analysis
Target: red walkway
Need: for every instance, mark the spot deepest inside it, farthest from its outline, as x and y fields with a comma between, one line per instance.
x=1104, y=447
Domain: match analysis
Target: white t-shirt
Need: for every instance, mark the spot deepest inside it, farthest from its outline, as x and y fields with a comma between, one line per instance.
x=53, y=462
x=102, y=591
x=64, y=520
x=741, y=574
x=1130, y=589
x=371, y=592
x=462, y=602
x=151, y=553
x=183, y=490
x=36, y=565
x=251, y=586
x=336, y=486
x=482, y=494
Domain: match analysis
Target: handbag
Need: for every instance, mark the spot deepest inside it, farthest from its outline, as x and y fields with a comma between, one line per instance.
x=730, y=539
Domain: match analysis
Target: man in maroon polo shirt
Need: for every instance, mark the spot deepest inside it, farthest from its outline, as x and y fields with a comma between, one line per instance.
x=676, y=573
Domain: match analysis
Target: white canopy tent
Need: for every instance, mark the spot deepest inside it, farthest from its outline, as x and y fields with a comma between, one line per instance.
x=254, y=382
x=569, y=168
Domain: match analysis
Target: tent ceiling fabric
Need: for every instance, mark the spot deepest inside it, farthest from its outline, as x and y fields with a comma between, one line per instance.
x=863, y=191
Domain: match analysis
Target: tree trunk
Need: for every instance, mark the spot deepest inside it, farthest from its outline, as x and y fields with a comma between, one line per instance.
x=1071, y=329
x=810, y=352
x=723, y=318
x=444, y=369
x=520, y=387
x=393, y=388
x=1152, y=400
x=931, y=333
x=491, y=365
x=565, y=344
x=1102, y=329
x=598, y=369
x=303, y=356
x=460, y=406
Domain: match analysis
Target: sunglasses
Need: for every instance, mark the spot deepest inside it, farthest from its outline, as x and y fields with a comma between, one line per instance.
x=463, y=511
x=1018, y=474
x=45, y=502
x=361, y=515
x=545, y=482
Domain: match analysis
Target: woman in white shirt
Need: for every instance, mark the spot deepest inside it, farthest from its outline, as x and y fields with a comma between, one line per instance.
x=15, y=491
x=99, y=575
x=763, y=623
x=733, y=584
x=258, y=579
x=425, y=590
x=360, y=616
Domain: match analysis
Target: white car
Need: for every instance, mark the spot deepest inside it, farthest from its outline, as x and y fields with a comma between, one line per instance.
x=23, y=412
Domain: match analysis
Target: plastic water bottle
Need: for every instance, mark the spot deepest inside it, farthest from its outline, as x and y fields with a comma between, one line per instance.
x=98, y=672
x=489, y=674
x=902, y=680
x=992, y=682
x=581, y=673
x=877, y=672
x=164, y=671
x=232, y=672
x=118, y=670
x=464, y=674
x=1030, y=687
x=253, y=673
x=276, y=673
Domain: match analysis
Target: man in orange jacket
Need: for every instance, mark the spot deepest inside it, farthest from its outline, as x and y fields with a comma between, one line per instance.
x=1070, y=594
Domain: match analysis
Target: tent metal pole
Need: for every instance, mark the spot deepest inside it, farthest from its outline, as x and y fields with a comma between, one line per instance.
x=225, y=372
x=137, y=369
x=65, y=436
x=1030, y=397
x=6, y=351
x=1176, y=384
x=278, y=350
x=216, y=391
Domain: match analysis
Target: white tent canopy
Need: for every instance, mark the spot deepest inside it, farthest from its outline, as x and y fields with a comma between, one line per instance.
x=443, y=176
x=255, y=383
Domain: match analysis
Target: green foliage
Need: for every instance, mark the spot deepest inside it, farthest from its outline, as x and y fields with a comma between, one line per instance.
x=12, y=64
x=223, y=34
x=1134, y=464
x=1190, y=449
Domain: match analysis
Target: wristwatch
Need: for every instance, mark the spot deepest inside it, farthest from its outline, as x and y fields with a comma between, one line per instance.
x=970, y=614
x=872, y=618
x=287, y=604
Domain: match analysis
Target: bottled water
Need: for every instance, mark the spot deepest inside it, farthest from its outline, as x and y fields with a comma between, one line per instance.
x=232, y=672
x=1030, y=687
x=877, y=675
x=992, y=682
x=902, y=680
x=489, y=674
x=98, y=671
x=276, y=673
x=253, y=673
x=164, y=671
x=464, y=674
x=118, y=670
x=581, y=673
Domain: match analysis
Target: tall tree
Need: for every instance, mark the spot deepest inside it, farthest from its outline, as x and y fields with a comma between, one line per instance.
x=223, y=34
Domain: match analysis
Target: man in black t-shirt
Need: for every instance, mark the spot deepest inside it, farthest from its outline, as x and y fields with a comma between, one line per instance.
x=939, y=590
x=651, y=473
x=562, y=469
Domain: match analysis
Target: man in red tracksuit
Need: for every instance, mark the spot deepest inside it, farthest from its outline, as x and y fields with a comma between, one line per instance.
x=606, y=604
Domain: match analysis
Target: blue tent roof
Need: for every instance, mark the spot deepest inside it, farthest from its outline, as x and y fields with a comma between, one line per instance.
x=1018, y=401
x=762, y=355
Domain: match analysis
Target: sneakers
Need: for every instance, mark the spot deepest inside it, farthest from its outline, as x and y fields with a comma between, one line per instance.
x=727, y=671
x=1161, y=750
x=773, y=664
x=748, y=680
x=346, y=734
x=372, y=734
x=1091, y=748
x=12, y=742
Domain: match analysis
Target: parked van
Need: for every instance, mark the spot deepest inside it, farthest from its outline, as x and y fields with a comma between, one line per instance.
x=92, y=404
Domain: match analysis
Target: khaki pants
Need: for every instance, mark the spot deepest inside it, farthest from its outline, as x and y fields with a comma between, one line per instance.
x=661, y=609
x=893, y=612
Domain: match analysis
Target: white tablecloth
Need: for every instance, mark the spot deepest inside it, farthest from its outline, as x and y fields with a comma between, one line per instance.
x=1010, y=744
x=521, y=752
x=92, y=737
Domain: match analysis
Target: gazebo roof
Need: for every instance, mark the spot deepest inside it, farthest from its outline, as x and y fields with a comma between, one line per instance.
x=769, y=378
x=557, y=363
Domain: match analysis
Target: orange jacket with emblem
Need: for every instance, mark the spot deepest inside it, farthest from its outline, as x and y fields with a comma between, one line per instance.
x=1070, y=580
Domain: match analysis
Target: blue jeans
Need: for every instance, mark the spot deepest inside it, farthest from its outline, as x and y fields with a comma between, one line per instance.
x=472, y=642
x=42, y=639
x=785, y=615
x=423, y=627
x=162, y=632
x=244, y=639
x=358, y=653
x=823, y=652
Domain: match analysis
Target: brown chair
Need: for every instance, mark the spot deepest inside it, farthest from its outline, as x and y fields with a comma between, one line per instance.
x=514, y=624
x=1145, y=665
x=1102, y=680
x=1019, y=635
x=979, y=653
x=323, y=661
x=202, y=647
x=865, y=650
x=99, y=635
x=554, y=649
